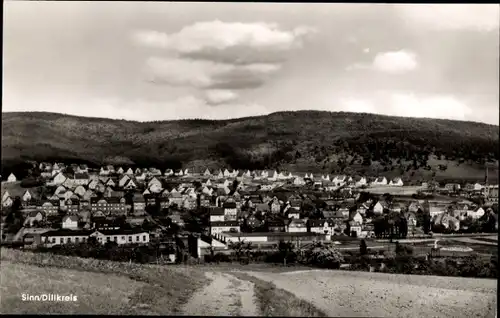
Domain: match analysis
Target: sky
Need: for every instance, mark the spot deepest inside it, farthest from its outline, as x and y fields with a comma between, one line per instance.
x=159, y=61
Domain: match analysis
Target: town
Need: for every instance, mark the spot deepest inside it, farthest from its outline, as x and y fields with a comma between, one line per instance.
x=130, y=207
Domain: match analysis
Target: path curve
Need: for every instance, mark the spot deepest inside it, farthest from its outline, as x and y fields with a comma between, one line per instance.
x=226, y=295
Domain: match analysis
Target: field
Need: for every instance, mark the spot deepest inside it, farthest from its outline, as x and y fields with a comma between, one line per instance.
x=101, y=287
x=360, y=294
x=104, y=287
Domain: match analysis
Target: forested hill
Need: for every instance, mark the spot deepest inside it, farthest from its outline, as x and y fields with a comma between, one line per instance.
x=316, y=140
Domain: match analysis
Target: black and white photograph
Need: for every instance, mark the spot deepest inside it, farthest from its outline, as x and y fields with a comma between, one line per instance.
x=249, y=159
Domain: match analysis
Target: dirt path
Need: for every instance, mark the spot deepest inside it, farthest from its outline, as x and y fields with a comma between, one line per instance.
x=226, y=295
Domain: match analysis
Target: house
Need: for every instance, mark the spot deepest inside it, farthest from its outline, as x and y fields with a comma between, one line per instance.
x=121, y=236
x=275, y=205
x=207, y=173
x=123, y=181
x=217, y=214
x=120, y=171
x=80, y=191
x=452, y=187
x=356, y=217
x=49, y=208
x=355, y=228
x=292, y=213
x=70, y=222
x=109, y=183
x=11, y=178
x=7, y=202
x=230, y=211
x=35, y=216
x=59, y=178
x=139, y=204
x=359, y=181
x=276, y=226
x=321, y=226
x=81, y=178
x=473, y=187
x=130, y=185
x=129, y=172
x=27, y=196
x=169, y=172
x=378, y=208
x=296, y=225
x=380, y=181
x=339, y=180
x=414, y=206
x=64, y=236
x=476, y=213
x=398, y=182
x=224, y=226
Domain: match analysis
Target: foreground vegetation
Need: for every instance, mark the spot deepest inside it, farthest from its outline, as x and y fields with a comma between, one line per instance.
x=163, y=289
x=324, y=140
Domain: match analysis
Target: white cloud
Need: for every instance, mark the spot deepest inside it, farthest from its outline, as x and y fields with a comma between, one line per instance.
x=356, y=105
x=480, y=17
x=222, y=35
x=393, y=62
x=434, y=106
x=410, y=105
x=208, y=74
x=220, y=96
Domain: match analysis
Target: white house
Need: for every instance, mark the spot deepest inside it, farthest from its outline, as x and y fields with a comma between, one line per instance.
x=122, y=236
x=27, y=196
x=398, y=182
x=217, y=215
x=476, y=213
x=59, y=178
x=361, y=181
x=70, y=222
x=169, y=172
x=321, y=226
x=299, y=181
x=207, y=173
x=225, y=226
x=378, y=208
x=473, y=187
x=129, y=171
x=380, y=181
x=11, y=178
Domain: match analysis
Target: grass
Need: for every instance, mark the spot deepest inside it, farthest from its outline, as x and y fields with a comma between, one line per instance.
x=276, y=302
x=154, y=289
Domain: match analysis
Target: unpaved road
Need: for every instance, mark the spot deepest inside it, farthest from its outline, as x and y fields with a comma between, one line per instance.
x=360, y=294
x=226, y=295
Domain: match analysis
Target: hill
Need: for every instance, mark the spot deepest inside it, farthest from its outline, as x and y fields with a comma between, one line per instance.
x=304, y=140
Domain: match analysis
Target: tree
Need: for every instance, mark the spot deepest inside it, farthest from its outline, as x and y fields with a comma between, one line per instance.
x=363, y=249
x=286, y=252
x=241, y=248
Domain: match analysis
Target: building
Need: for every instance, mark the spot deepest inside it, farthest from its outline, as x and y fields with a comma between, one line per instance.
x=122, y=237
x=224, y=226
x=70, y=222
x=217, y=214
x=11, y=178
x=296, y=225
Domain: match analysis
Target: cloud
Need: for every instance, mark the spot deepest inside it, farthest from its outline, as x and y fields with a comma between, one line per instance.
x=220, y=35
x=207, y=74
x=437, y=106
x=220, y=56
x=478, y=17
x=220, y=96
x=393, y=62
x=410, y=105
